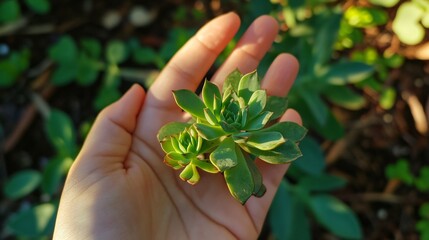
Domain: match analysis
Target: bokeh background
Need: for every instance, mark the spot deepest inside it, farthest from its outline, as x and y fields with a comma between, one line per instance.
x=362, y=91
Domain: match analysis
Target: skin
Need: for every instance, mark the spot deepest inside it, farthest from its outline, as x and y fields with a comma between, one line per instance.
x=119, y=187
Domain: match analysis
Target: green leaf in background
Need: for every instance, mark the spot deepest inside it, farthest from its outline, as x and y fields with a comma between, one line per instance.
x=336, y=216
x=61, y=133
x=325, y=37
x=422, y=226
x=422, y=181
x=53, y=174
x=189, y=102
x=35, y=222
x=116, y=52
x=400, y=171
x=348, y=72
x=84, y=128
x=406, y=24
x=424, y=210
x=344, y=97
x=289, y=14
x=91, y=47
x=425, y=20
x=106, y=96
x=21, y=184
x=331, y=129
x=39, y=6
x=312, y=160
x=369, y=56
x=146, y=55
x=239, y=179
x=316, y=105
x=384, y=3
x=387, y=98
x=177, y=37
x=348, y=36
x=258, y=8
x=287, y=216
x=64, y=51
x=64, y=74
x=363, y=17
x=13, y=66
x=224, y=156
x=322, y=182
x=87, y=70
x=9, y=11
x=394, y=60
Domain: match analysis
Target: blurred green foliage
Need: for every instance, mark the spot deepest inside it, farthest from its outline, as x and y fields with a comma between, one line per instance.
x=336, y=64
x=10, y=10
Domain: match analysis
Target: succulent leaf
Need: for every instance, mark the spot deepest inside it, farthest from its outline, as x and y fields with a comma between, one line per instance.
x=290, y=130
x=189, y=102
x=204, y=165
x=259, y=188
x=239, y=179
x=209, y=132
x=285, y=153
x=171, y=129
x=210, y=117
x=224, y=157
x=176, y=160
x=249, y=83
x=190, y=174
x=259, y=121
x=166, y=146
x=229, y=128
x=232, y=80
x=257, y=102
x=209, y=93
x=265, y=140
x=277, y=105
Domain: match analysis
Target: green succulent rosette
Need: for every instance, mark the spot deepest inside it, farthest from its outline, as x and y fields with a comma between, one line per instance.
x=228, y=131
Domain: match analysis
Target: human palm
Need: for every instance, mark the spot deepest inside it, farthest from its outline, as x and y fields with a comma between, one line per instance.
x=119, y=187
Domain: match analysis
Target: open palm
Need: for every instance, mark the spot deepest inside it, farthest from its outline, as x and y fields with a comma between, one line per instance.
x=119, y=187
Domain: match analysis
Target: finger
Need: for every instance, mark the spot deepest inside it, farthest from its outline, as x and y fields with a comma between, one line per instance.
x=110, y=138
x=280, y=76
x=249, y=51
x=187, y=68
x=271, y=175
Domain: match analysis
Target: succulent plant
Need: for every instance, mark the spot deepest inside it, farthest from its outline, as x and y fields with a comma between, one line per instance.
x=228, y=131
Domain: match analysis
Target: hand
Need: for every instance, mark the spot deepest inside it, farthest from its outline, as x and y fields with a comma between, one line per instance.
x=119, y=187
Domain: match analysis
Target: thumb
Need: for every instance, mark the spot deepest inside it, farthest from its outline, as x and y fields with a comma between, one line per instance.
x=109, y=140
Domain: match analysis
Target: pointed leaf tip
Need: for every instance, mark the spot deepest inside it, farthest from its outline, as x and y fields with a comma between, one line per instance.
x=189, y=102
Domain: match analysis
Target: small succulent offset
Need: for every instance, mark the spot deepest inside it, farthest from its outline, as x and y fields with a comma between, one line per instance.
x=228, y=131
